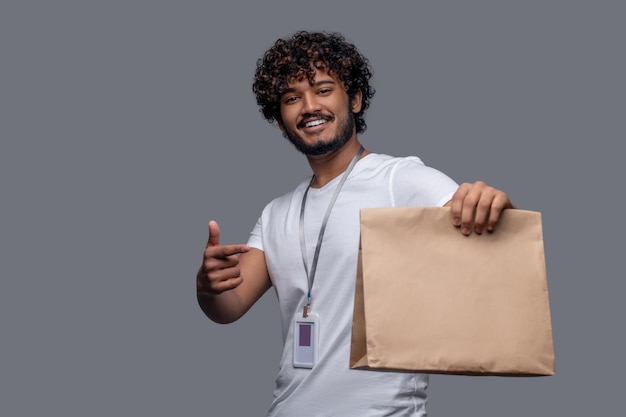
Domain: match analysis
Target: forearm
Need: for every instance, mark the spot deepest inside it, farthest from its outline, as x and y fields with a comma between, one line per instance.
x=221, y=308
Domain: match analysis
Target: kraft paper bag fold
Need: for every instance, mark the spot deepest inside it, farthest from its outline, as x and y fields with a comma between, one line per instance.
x=429, y=299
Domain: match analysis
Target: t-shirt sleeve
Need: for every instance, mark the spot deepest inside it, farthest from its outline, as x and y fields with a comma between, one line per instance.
x=415, y=184
x=256, y=235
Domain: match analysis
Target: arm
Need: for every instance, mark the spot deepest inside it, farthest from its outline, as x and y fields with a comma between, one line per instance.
x=477, y=205
x=231, y=278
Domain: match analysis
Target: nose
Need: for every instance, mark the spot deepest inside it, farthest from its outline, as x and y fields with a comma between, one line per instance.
x=310, y=104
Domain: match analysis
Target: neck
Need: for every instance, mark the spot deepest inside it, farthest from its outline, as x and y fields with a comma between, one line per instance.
x=328, y=166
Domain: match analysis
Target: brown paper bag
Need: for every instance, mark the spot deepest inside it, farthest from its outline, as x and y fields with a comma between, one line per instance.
x=429, y=299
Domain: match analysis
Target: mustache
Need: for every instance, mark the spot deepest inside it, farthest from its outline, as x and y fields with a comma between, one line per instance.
x=314, y=116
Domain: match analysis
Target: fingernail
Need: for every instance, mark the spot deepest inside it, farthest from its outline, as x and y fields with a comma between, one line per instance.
x=465, y=230
x=456, y=221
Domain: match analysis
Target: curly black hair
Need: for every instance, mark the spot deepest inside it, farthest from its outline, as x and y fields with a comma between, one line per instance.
x=293, y=59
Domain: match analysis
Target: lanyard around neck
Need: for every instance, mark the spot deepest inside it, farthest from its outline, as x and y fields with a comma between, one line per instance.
x=311, y=273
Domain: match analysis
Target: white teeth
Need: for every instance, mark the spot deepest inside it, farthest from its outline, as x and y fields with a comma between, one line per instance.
x=315, y=123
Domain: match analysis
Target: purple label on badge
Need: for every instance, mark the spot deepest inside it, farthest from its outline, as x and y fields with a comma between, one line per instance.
x=305, y=334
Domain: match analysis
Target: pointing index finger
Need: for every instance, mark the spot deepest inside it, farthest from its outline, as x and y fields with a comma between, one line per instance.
x=229, y=250
x=219, y=251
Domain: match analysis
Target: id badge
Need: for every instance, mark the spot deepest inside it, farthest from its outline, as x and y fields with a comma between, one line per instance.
x=306, y=341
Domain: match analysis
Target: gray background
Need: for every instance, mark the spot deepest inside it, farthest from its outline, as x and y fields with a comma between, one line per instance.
x=126, y=125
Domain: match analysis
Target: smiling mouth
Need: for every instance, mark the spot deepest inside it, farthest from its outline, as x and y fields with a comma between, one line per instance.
x=314, y=120
x=314, y=123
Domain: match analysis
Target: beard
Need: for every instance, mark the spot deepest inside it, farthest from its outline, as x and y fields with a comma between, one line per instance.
x=321, y=147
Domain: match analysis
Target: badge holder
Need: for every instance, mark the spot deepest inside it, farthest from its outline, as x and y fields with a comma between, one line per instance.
x=306, y=341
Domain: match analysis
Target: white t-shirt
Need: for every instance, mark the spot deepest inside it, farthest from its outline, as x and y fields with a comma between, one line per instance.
x=331, y=388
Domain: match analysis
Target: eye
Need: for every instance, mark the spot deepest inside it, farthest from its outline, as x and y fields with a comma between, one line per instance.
x=324, y=91
x=290, y=99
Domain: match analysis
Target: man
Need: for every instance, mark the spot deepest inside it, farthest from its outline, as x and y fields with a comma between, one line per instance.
x=316, y=87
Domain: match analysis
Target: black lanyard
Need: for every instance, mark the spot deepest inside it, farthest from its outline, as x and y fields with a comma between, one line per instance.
x=311, y=274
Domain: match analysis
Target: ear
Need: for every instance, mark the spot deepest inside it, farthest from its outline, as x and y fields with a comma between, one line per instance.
x=355, y=105
x=280, y=125
x=279, y=122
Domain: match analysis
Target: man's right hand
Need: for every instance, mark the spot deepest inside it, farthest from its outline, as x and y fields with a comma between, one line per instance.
x=220, y=266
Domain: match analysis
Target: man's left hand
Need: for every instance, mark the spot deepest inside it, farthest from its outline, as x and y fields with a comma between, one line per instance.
x=477, y=207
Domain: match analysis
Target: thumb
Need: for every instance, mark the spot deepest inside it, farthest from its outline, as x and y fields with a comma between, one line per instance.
x=214, y=234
